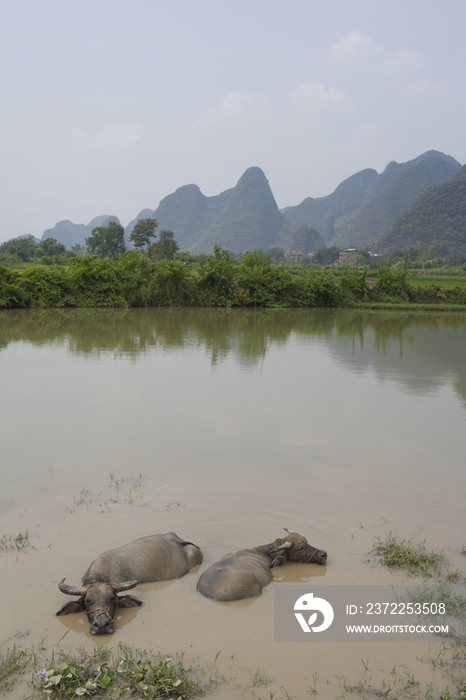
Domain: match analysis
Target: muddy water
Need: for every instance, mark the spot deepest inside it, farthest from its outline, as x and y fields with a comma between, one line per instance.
x=226, y=427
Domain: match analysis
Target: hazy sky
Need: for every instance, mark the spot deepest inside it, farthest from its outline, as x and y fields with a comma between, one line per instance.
x=107, y=106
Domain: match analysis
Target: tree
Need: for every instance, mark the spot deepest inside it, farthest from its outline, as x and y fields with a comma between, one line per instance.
x=143, y=232
x=277, y=255
x=107, y=241
x=22, y=248
x=165, y=248
x=49, y=246
x=326, y=256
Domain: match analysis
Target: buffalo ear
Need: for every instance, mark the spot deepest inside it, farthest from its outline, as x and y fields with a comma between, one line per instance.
x=128, y=601
x=72, y=607
x=278, y=561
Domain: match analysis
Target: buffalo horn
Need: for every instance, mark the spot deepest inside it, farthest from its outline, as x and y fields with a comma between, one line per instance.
x=126, y=585
x=285, y=545
x=72, y=590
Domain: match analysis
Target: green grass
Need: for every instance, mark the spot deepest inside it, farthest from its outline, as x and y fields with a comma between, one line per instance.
x=144, y=675
x=12, y=665
x=439, y=280
x=455, y=603
x=410, y=306
x=17, y=542
x=258, y=677
x=397, y=553
x=407, y=687
x=100, y=673
x=119, y=490
x=460, y=695
x=129, y=673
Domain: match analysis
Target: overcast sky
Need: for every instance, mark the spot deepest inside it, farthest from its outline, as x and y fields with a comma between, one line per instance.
x=107, y=106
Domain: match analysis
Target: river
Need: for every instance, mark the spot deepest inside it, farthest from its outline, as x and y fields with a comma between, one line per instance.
x=227, y=426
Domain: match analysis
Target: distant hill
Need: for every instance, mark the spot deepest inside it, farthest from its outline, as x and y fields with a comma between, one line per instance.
x=363, y=207
x=69, y=234
x=346, y=199
x=246, y=217
x=241, y=219
x=391, y=193
x=436, y=220
x=189, y=213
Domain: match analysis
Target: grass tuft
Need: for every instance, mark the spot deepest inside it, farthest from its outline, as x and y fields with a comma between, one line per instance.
x=397, y=553
x=258, y=677
x=129, y=673
x=12, y=665
x=454, y=602
x=17, y=542
x=460, y=695
x=119, y=491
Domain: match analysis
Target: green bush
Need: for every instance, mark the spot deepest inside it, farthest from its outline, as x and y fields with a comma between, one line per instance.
x=353, y=283
x=132, y=280
x=260, y=283
x=94, y=282
x=171, y=284
x=391, y=282
x=215, y=278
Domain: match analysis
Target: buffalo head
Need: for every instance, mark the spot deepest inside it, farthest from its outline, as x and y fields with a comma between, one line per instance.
x=99, y=600
x=296, y=548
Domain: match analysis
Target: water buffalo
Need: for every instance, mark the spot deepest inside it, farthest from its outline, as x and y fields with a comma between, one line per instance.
x=153, y=558
x=244, y=573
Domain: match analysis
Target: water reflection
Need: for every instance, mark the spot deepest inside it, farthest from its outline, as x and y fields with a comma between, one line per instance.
x=298, y=573
x=419, y=349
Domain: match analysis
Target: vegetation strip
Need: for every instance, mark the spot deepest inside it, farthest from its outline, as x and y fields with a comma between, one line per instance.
x=129, y=672
x=138, y=673
x=141, y=674
x=132, y=280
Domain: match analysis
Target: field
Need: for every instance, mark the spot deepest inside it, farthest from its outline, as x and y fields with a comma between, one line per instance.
x=439, y=280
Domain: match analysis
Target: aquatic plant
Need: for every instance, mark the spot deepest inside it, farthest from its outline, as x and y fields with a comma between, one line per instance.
x=12, y=664
x=130, y=672
x=398, y=553
x=11, y=542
